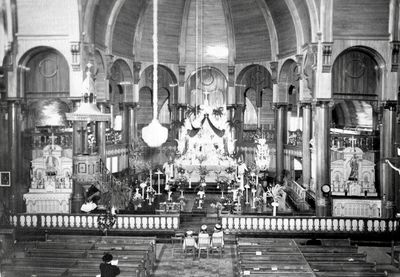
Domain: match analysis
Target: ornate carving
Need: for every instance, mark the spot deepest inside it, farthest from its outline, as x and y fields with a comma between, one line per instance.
x=327, y=56
x=309, y=66
x=389, y=105
x=182, y=71
x=136, y=71
x=395, y=55
x=274, y=72
x=109, y=59
x=76, y=55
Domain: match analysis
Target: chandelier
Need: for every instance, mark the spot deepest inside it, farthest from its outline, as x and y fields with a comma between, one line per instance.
x=155, y=134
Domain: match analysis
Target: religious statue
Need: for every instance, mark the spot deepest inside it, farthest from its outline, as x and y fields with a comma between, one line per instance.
x=169, y=170
x=353, y=163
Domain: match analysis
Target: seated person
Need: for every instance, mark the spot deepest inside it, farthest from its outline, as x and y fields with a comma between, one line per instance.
x=189, y=240
x=218, y=233
x=203, y=232
x=108, y=268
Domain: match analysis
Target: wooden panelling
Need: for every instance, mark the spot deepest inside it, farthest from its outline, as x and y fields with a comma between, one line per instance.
x=49, y=74
x=251, y=32
x=101, y=19
x=302, y=9
x=124, y=29
x=360, y=17
x=212, y=31
x=284, y=26
x=355, y=74
x=169, y=28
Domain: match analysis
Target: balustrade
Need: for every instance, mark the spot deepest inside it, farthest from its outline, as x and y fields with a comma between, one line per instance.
x=90, y=221
x=333, y=225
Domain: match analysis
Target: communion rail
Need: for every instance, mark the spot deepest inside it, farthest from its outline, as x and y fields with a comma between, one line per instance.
x=90, y=222
x=309, y=224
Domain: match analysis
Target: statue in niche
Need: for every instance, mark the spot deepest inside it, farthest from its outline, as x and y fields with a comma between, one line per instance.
x=353, y=163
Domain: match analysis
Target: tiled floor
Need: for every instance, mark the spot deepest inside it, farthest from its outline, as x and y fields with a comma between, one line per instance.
x=177, y=265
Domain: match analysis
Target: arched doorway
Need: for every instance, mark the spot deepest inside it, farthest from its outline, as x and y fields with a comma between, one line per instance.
x=355, y=135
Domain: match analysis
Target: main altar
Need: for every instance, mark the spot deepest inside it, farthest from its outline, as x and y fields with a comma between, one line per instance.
x=206, y=143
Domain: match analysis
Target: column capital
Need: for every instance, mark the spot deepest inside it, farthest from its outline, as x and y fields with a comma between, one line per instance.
x=279, y=105
x=274, y=72
x=137, y=66
x=327, y=56
x=389, y=105
x=182, y=72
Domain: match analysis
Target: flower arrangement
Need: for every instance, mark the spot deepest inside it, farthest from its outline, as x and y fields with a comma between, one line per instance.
x=230, y=170
x=91, y=142
x=276, y=192
x=116, y=194
x=201, y=158
x=217, y=205
x=218, y=111
x=203, y=170
x=181, y=170
x=137, y=199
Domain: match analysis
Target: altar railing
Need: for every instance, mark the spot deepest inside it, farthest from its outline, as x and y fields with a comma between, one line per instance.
x=89, y=222
x=309, y=224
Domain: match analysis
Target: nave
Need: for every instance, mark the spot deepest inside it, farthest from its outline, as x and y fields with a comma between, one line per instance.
x=80, y=255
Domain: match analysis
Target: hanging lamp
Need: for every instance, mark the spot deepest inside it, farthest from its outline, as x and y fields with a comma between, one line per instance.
x=155, y=134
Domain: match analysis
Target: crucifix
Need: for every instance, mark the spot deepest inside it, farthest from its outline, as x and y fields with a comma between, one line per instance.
x=52, y=138
x=353, y=142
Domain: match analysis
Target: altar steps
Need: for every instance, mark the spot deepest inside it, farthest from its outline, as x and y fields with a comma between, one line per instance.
x=210, y=188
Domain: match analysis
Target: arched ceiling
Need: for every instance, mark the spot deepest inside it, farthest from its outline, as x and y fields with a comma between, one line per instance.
x=251, y=30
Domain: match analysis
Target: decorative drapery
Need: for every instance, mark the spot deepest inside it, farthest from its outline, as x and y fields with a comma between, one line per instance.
x=217, y=131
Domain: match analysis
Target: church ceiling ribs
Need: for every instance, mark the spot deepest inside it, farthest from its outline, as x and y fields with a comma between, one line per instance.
x=230, y=32
x=183, y=32
x=313, y=13
x=297, y=24
x=139, y=31
x=271, y=28
x=111, y=24
x=88, y=21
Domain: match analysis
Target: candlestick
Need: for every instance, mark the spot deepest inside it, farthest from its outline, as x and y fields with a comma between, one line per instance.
x=247, y=196
x=159, y=181
x=253, y=206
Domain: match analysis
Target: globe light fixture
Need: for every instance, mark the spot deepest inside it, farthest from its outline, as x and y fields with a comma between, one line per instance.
x=155, y=134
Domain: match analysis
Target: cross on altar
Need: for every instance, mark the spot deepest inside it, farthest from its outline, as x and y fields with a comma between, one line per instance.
x=53, y=138
x=353, y=141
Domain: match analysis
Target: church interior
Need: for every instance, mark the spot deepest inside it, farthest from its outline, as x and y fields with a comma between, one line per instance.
x=138, y=127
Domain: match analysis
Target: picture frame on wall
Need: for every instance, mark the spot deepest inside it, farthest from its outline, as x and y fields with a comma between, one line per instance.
x=5, y=179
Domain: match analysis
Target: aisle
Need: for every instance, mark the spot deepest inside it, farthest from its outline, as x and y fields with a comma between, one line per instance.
x=175, y=264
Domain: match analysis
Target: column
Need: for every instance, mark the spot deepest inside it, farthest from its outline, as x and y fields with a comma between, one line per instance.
x=77, y=149
x=387, y=150
x=239, y=117
x=280, y=117
x=174, y=119
x=132, y=124
x=101, y=133
x=14, y=138
x=125, y=123
x=306, y=144
x=322, y=148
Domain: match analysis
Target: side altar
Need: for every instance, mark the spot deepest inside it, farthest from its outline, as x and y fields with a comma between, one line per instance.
x=205, y=144
x=51, y=181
